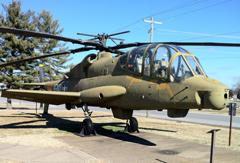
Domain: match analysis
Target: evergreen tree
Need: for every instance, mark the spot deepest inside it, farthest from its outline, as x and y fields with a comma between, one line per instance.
x=54, y=65
x=13, y=47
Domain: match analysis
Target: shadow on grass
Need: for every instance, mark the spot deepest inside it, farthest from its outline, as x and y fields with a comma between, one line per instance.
x=75, y=127
x=156, y=129
x=16, y=108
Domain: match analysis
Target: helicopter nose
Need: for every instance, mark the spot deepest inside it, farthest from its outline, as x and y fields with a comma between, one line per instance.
x=216, y=100
x=210, y=93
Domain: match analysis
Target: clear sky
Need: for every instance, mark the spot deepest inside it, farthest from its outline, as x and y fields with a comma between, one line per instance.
x=185, y=20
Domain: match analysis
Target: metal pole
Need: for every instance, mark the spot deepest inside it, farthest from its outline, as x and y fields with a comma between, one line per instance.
x=230, y=129
x=213, y=144
x=151, y=29
x=20, y=100
x=36, y=108
x=212, y=147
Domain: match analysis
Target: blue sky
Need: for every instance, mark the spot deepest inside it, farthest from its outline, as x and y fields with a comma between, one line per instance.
x=195, y=22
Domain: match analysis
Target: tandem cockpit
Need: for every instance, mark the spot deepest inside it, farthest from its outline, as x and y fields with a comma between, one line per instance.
x=167, y=62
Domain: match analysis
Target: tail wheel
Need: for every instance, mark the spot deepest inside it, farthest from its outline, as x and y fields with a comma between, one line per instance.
x=133, y=124
x=88, y=126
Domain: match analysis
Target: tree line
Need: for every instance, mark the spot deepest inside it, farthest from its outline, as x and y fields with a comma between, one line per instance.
x=236, y=88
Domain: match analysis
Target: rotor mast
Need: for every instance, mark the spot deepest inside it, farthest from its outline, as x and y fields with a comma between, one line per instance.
x=102, y=38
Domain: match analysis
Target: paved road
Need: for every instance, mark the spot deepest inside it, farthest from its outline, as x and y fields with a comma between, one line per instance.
x=211, y=119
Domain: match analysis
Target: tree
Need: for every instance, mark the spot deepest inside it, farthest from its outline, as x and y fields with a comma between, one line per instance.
x=15, y=47
x=231, y=93
x=236, y=87
x=52, y=66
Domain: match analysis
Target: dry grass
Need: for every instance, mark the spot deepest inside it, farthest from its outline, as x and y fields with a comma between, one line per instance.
x=191, y=132
x=8, y=161
x=26, y=128
x=224, y=111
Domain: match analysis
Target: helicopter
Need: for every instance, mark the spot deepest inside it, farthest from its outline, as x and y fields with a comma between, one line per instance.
x=150, y=76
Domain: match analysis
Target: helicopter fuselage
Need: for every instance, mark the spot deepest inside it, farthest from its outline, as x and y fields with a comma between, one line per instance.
x=144, y=91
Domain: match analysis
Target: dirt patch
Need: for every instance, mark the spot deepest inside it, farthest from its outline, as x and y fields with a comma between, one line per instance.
x=27, y=128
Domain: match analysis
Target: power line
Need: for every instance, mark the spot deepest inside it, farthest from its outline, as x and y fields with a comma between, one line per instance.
x=196, y=10
x=210, y=51
x=189, y=12
x=193, y=33
x=210, y=36
x=177, y=7
x=165, y=11
x=220, y=58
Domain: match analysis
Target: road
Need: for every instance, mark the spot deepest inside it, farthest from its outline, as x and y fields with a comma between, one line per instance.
x=202, y=118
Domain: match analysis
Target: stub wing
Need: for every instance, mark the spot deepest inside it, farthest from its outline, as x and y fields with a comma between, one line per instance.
x=92, y=96
x=33, y=84
x=50, y=97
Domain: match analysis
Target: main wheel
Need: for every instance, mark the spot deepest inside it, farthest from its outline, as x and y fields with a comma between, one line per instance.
x=68, y=106
x=88, y=126
x=133, y=124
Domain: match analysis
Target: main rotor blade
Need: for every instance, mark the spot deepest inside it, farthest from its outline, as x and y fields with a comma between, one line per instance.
x=87, y=35
x=203, y=44
x=45, y=35
x=122, y=46
x=129, y=45
x=119, y=33
x=116, y=39
x=48, y=55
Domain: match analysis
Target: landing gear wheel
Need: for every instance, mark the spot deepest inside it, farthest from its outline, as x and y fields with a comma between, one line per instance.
x=87, y=125
x=68, y=106
x=133, y=124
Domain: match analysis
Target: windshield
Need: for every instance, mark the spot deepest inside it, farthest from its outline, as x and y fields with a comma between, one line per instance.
x=196, y=69
x=200, y=65
x=180, y=70
x=180, y=49
x=155, y=60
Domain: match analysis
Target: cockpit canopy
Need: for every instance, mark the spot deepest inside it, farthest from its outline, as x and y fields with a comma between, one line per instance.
x=168, y=62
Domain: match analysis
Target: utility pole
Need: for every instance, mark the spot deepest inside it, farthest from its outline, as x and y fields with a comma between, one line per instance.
x=151, y=30
x=151, y=39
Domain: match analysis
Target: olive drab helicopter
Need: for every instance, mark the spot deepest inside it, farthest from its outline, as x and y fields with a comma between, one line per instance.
x=151, y=76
